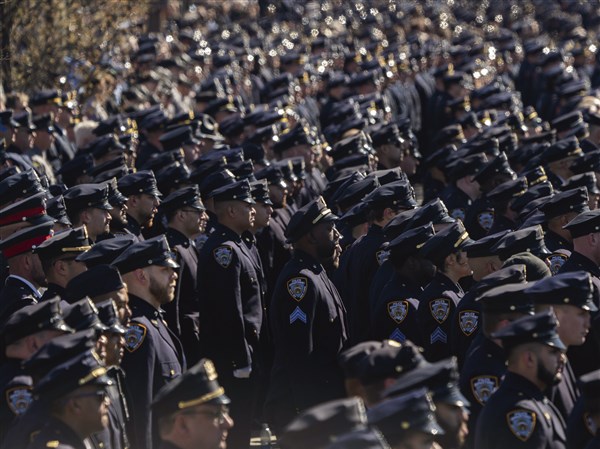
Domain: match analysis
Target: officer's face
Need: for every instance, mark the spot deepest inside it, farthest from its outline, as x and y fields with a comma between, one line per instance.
x=263, y=215
x=147, y=208
x=245, y=214
x=453, y=419
x=327, y=240
x=92, y=408
x=278, y=195
x=162, y=283
x=208, y=426
x=550, y=363
x=114, y=349
x=97, y=221
x=574, y=324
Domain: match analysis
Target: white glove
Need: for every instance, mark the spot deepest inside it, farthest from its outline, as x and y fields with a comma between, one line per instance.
x=242, y=373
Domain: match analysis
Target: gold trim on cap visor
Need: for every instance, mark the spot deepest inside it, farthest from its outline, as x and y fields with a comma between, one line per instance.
x=323, y=214
x=202, y=399
x=101, y=371
x=462, y=238
x=75, y=249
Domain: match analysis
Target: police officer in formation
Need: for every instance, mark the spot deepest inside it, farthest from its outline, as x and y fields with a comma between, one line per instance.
x=359, y=225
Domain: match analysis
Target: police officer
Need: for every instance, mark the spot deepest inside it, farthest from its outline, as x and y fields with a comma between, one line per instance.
x=75, y=392
x=154, y=355
x=463, y=189
x=518, y=413
x=484, y=262
x=186, y=219
x=415, y=411
x=584, y=421
x=23, y=334
x=58, y=255
x=26, y=273
x=394, y=314
x=230, y=288
x=485, y=365
x=118, y=407
x=308, y=319
x=192, y=411
x=438, y=300
x=585, y=256
x=571, y=297
x=87, y=204
x=365, y=255
x=142, y=200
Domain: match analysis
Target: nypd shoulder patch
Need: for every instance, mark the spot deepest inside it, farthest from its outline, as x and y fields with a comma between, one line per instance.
x=18, y=399
x=555, y=261
x=397, y=310
x=486, y=219
x=382, y=256
x=483, y=387
x=297, y=287
x=135, y=335
x=521, y=423
x=458, y=213
x=440, y=309
x=223, y=255
x=468, y=320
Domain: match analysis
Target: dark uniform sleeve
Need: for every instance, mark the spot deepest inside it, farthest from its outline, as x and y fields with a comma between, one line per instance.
x=228, y=307
x=310, y=327
x=139, y=364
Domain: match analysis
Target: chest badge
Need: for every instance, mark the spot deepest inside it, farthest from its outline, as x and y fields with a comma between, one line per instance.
x=521, y=423
x=468, y=320
x=223, y=255
x=297, y=287
x=134, y=337
x=397, y=310
x=440, y=309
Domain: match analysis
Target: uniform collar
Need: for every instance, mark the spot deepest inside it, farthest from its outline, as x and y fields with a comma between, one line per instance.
x=34, y=290
x=143, y=308
x=523, y=385
x=585, y=263
x=224, y=231
x=177, y=238
x=307, y=260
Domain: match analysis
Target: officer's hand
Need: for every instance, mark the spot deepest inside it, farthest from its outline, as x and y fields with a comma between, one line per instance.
x=242, y=373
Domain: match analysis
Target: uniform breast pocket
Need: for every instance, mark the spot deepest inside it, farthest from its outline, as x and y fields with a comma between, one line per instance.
x=170, y=370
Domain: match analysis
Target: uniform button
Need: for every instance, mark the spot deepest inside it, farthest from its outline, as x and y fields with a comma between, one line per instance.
x=172, y=372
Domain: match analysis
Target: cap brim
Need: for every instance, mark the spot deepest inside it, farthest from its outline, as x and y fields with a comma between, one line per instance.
x=590, y=306
x=105, y=205
x=117, y=328
x=220, y=400
x=167, y=263
x=555, y=342
x=451, y=396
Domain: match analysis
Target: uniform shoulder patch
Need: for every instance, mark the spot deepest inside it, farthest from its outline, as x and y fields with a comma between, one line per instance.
x=223, y=255
x=483, y=387
x=468, y=320
x=397, y=310
x=555, y=261
x=381, y=256
x=440, y=309
x=18, y=399
x=458, y=213
x=521, y=423
x=297, y=287
x=486, y=219
x=135, y=335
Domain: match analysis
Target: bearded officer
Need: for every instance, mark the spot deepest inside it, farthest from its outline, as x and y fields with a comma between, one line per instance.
x=518, y=414
x=154, y=354
x=308, y=319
